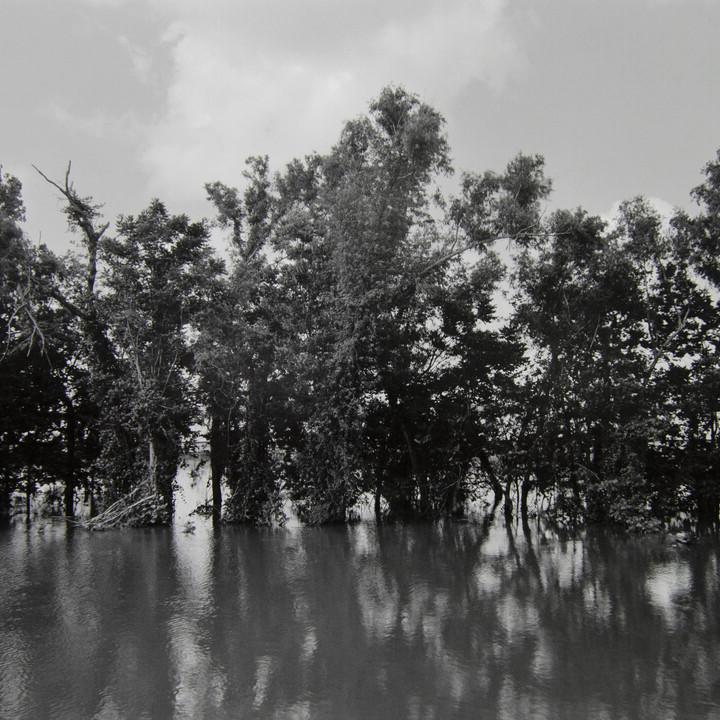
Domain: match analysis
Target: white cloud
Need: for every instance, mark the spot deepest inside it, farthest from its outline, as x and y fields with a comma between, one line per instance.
x=98, y=124
x=450, y=46
x=663, y=208
x=140, y=59
x=281, y=78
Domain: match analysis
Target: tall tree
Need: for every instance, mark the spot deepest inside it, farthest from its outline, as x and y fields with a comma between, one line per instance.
x=159, y=269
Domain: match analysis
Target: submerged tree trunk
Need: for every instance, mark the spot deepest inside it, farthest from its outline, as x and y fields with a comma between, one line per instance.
x=5, y=508
x=708, y=513
x=419, y=476
x=69, y=495
x=377, y=501
x=163, y=459
x=494, y=482
x=90, y=495
x=218, y=462
x=508, y=506
x=524, y=491
x=152, y=463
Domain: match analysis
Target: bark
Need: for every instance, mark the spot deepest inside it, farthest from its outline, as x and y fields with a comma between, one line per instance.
x=708, y=513
x=416, y=470
x=70, y=423
x=152, y=464
x=524, y=491
x=4, y=503
x=218, y=461
x=377, y=504
x=162, y=464
x=508, y=506
x=494, y=482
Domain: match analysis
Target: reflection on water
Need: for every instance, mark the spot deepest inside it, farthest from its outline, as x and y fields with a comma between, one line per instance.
x=425, y=621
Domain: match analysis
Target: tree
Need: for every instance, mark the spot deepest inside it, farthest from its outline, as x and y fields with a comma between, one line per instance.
x=694, y=385
x=237, y=363
x=355, y=220
x=159, y=269
x=40, y=373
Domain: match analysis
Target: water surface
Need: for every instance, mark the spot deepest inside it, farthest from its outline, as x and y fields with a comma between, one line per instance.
x=424, y=621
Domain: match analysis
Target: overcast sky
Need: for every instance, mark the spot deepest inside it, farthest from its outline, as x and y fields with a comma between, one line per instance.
x=153, y=98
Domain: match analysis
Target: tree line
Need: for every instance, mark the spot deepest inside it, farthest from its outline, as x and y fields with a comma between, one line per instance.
x=350, y=347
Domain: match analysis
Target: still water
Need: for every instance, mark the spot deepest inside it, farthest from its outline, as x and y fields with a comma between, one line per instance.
x=425, y=621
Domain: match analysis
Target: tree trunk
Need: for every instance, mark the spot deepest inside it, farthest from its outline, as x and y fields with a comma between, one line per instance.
x=69, y=496
x=218, y=462
x=416, y=470
x=524, y=490
x=162, y=465
x=708, y=512
x=156, y=478
x=93, y=503
x=508, y=506
x=5, y=507
x=152, y=464
x=494, y=482
x=378, y=506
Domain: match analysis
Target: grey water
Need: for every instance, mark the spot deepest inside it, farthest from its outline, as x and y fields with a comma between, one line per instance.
x=449, y=620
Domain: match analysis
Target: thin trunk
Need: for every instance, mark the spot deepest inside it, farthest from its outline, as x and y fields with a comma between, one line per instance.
x=93, y=503
x=378, y=497
x=69, y=495
x=524, y=491
x=416, y=469
x=163, y=460
x=708, y=513
x=508, y=507
x=218, y=462
x=152, y=464
x=531, y=556
x=4, y=510
x=494, y=482
x=156, y=469
x=497, y=497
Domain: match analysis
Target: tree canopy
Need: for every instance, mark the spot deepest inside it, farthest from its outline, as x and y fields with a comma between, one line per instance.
x=351, y=350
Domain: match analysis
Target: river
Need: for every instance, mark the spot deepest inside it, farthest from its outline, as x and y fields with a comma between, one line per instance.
x=450, y=620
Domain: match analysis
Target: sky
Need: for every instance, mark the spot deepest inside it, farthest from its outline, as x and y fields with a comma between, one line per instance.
x=154, y=98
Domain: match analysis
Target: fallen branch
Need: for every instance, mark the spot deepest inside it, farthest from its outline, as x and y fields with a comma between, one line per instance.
x=126, y=511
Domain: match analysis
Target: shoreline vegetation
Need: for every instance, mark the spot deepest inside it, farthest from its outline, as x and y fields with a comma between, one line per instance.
x=351, y=345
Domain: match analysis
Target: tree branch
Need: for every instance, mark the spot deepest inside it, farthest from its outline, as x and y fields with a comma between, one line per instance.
x=69, y=306
x=682, y=322
x=82, y=214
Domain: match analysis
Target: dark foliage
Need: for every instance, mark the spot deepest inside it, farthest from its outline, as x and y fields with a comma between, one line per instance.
x=353, y=350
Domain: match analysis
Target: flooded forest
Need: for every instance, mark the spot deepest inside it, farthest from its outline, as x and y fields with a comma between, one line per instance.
x=367, y=341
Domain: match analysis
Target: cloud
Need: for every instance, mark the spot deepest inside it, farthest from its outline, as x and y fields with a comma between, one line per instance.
x=105, y=3
x=281, y=78
x=450, y=46
x=140, y=59
x=664, y=209
x=97, y=124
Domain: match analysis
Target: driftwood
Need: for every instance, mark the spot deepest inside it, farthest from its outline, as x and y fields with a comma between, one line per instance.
x=128, y=510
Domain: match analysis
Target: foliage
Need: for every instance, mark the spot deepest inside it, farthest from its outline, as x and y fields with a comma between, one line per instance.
x=352, y=349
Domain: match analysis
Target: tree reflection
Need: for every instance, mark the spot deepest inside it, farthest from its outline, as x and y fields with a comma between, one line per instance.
x=420, y=621
x=423, y=621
